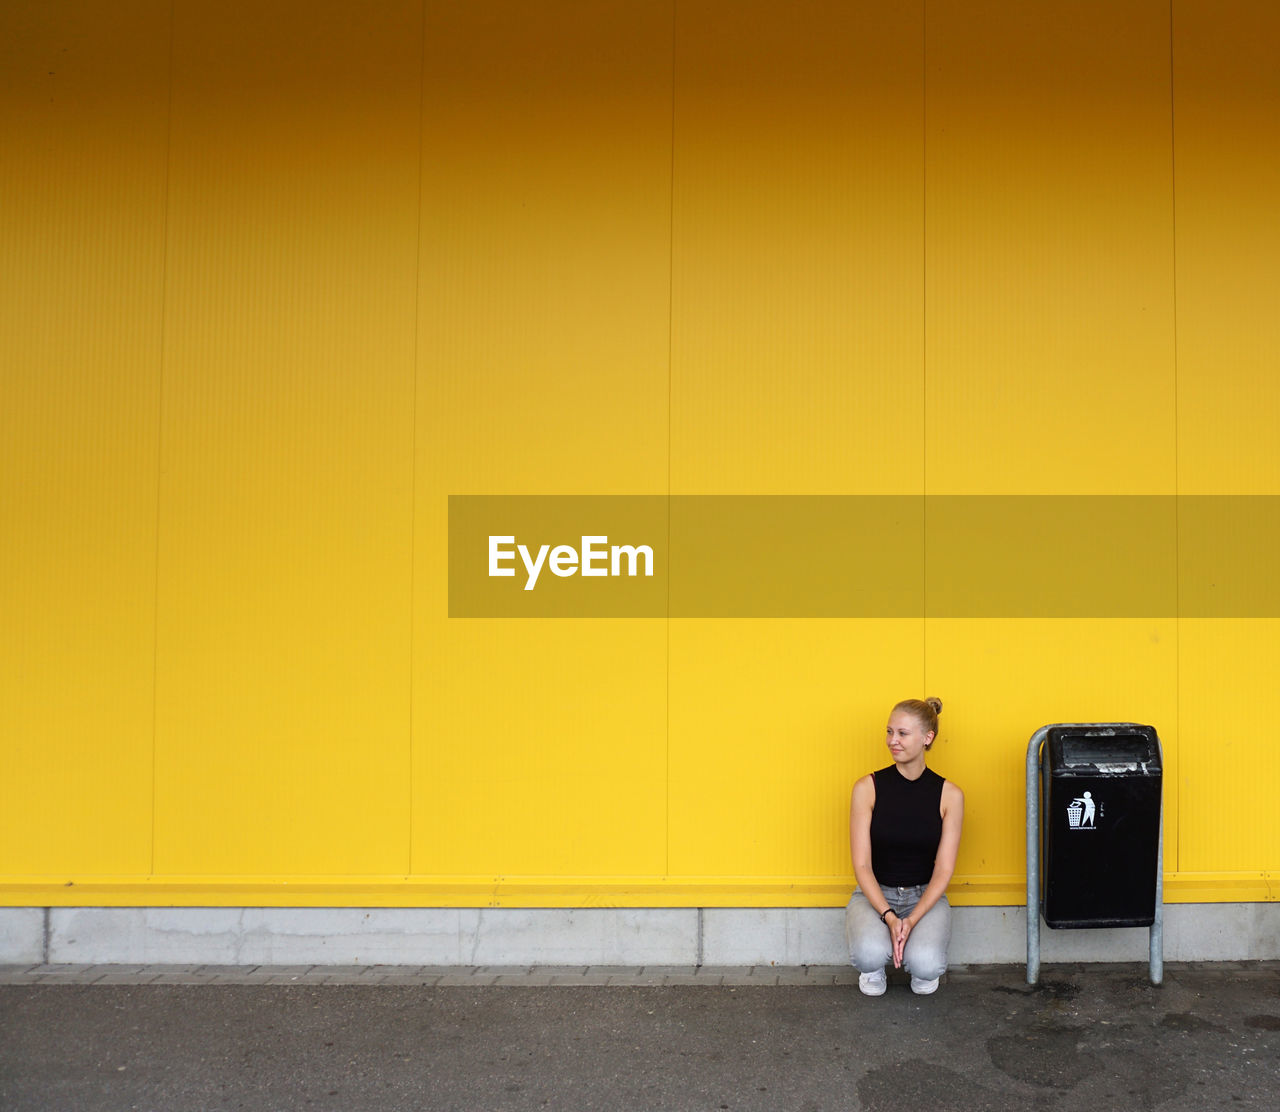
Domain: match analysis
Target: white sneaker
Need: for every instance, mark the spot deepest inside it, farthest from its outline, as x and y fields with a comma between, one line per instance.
x=874, y=984
x=923, y=988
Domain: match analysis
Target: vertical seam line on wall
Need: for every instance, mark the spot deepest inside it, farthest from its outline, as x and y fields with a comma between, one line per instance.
x=1177, y=530
x=924, y=346
x=413, y=462
x=164, y=315
x=671, y=254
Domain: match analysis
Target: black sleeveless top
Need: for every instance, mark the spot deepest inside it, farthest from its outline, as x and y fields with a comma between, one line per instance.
x=906, y=827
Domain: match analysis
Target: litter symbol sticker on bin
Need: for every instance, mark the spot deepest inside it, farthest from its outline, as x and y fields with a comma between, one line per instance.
x=1081, y=813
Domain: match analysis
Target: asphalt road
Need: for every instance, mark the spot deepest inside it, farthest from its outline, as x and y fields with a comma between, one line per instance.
x=1084, y=1039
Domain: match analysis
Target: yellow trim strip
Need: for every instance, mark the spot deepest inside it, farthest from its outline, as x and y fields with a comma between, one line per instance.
x=545, y=891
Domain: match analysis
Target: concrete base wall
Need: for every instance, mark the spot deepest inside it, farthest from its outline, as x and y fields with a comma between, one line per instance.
x=22, y=933
x=596, y=936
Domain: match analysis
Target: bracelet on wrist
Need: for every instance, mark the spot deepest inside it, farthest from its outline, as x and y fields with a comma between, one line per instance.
x=887, y=911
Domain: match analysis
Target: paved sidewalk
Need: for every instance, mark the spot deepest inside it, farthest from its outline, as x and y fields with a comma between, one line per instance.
x=430, y=976
x=108, y=1038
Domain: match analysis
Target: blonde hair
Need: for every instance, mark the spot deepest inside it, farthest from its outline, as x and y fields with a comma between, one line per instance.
x=926, y=712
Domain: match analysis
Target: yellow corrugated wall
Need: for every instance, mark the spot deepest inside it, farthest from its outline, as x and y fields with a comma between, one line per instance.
x=280, y=278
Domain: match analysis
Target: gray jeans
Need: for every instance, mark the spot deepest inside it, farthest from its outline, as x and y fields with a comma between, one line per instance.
x=871, y=947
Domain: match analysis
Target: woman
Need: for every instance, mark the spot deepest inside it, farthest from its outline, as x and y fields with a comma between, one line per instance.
x=904, y=831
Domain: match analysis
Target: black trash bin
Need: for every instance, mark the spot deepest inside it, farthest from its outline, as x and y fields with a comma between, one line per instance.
x=1101, y=816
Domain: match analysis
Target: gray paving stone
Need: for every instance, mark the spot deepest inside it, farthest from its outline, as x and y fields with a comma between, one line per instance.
x=669, y=970
x=126, y=979
x=794, y=977
x=595, y=980
x=962, y=973
x=828, y=970
x=816, y=979
x=524, y=980
x=183, y=979
x=465, y=980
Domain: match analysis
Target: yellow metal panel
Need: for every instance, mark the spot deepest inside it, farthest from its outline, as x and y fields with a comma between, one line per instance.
x=286, y=494
x=545, y=249
x=1227, y=144
x=771, y=724
x=540, y=745
x=1049, y=265
x=815, y=250
x=796, y=369
x=796, y=249
x=1230, y=775
x=540, y=749
x=1226, y=86
x=84, y=96
x=1001, y=680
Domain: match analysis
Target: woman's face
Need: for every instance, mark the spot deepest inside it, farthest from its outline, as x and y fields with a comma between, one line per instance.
x=905, y=737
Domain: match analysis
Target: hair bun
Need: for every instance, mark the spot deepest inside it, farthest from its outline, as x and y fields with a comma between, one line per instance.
x=935, y=703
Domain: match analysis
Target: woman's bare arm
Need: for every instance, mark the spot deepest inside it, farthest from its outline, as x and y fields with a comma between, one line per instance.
x=860, y=808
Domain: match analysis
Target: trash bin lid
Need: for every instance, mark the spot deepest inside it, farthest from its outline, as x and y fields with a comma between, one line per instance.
x=1111, y=750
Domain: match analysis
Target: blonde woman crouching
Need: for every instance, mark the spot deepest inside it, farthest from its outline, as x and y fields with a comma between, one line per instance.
x=904, y=832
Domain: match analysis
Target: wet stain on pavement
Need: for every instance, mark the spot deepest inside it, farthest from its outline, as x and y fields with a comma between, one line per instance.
x=921, y=1084
x=1149, y=1078
x=1187, y=1021
x=1263, y=1022
x=1045, y=1056
x=1054, y=990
